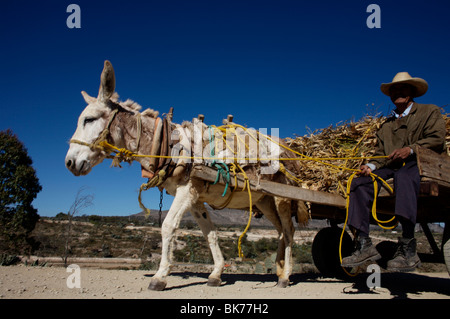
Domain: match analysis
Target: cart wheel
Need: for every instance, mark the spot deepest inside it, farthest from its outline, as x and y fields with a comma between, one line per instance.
x=325, y=251
x=446, y=245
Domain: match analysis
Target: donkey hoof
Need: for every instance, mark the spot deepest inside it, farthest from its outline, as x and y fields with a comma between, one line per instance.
x=282, y=283
x=157, y=285
x=214, y=282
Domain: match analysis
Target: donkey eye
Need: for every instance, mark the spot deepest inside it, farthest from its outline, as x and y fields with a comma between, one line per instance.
x=89, y=120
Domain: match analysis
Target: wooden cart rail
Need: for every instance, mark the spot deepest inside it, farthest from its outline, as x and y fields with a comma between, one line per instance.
x=272, y=188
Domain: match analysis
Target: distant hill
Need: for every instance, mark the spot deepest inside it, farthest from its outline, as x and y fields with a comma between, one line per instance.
x=233, y=217
x=227, y=217
x=224, y=217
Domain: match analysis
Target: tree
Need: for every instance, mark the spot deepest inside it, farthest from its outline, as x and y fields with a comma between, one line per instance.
x=19, y=186
x=81, y=202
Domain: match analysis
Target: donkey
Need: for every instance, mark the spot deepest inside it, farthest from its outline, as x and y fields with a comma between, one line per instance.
x=116, y=122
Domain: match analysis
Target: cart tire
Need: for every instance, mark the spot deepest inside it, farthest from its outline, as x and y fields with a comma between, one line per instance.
x=325, y=251
x=446, y=245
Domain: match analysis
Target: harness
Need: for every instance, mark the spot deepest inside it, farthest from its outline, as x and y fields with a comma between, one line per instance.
x=161, y=165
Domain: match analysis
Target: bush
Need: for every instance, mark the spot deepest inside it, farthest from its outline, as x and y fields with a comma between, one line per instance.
x=8, y=260
x=302, y=253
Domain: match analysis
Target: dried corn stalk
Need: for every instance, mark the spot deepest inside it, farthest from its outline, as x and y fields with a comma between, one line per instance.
x=344, y=140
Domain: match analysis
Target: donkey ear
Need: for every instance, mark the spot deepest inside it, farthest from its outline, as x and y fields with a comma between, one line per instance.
x=107, y=82
x=89, y=99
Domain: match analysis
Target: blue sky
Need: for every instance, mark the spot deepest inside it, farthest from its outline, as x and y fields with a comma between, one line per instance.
x=283, y=64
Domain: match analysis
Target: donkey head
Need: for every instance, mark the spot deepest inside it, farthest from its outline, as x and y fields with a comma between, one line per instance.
x=81, y=156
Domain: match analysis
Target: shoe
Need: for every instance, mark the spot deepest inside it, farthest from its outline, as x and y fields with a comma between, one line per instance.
x=405, y=258
x=364, y=251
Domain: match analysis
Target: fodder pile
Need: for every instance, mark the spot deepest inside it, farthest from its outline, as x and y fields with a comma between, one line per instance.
x=344, y=140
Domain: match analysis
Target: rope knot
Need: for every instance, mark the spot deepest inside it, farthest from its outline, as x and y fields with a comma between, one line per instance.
x=157, y=180
x=122, y=155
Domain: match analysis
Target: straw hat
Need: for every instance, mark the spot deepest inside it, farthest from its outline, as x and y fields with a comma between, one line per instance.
x=403, y=77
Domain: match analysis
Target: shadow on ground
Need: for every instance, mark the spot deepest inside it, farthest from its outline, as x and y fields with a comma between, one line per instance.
x=399, y=285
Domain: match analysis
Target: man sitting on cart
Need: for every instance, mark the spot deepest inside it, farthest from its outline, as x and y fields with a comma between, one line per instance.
x=411, y=125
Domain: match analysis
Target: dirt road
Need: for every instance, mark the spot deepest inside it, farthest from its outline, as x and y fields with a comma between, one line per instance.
x=51, y=282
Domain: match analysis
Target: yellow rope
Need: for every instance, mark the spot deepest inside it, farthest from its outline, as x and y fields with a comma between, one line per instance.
x=289, y=175
x=347, y=202
x=374, y=206
x=125, y=153
x=246, y=184
x=157, y=180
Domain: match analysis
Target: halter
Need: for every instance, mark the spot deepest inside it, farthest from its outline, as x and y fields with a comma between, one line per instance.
x=101, y=142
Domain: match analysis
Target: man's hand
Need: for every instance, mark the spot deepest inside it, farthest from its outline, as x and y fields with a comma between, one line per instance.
x=365, y=170
x=400, y=153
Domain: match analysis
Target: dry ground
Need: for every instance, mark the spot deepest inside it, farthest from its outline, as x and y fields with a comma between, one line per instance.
x=50, y=282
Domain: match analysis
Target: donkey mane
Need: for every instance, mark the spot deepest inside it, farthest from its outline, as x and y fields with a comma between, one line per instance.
x=132, y=106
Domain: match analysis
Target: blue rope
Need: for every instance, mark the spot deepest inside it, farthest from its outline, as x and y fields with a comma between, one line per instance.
x=222, y=168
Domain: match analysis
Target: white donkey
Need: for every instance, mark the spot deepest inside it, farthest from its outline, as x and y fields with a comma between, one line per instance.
x=123, y=125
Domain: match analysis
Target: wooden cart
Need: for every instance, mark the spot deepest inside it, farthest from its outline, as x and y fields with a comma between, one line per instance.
x=433, y=207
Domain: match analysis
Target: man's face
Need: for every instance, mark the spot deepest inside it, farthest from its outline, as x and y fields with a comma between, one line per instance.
x=401, y=94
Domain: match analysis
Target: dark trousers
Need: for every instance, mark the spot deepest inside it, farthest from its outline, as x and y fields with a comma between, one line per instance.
x=406, y=188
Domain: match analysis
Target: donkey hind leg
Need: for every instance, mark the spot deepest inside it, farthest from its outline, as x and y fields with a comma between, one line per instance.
x=268, y=207
x=182, y=202
x=278, y=212
x=284, y=256
x=203, y=219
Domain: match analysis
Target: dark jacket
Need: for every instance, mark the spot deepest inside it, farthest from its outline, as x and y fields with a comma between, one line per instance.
x=423, y=126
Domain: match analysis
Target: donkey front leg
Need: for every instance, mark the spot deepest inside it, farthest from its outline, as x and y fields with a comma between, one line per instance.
x=203, y=219
x=182, y=202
